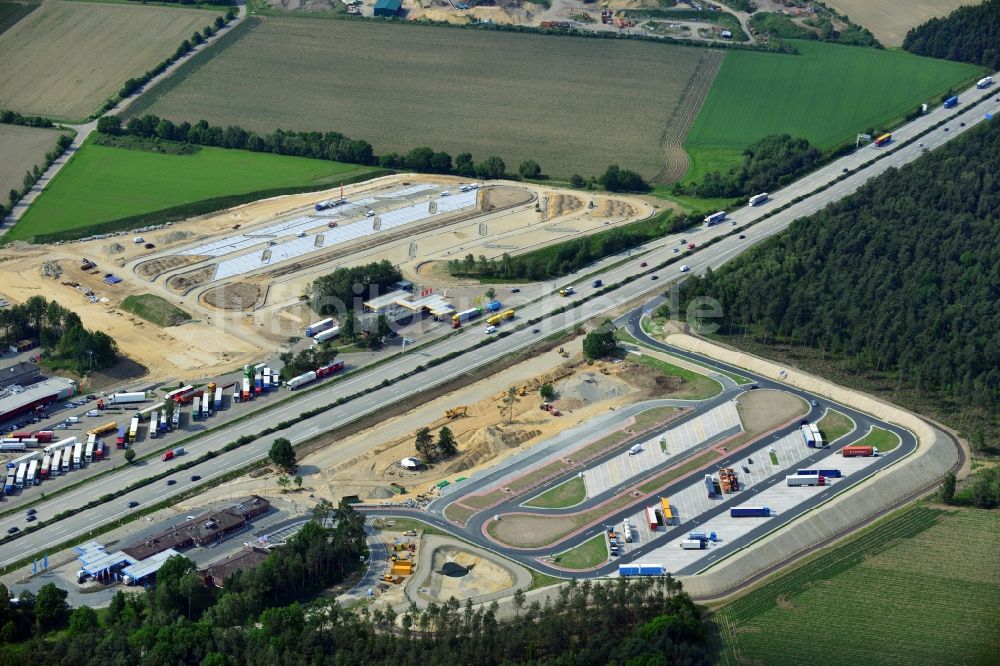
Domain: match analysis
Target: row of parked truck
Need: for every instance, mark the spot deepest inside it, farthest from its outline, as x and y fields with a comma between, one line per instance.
x=57, y=458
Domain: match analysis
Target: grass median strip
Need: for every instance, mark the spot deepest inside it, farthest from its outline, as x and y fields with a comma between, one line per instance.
x=881, y=439
x=566, y=494
x=834, y=425
x=587, y=555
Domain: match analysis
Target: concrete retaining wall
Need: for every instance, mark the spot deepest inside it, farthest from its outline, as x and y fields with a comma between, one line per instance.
x=936, y=454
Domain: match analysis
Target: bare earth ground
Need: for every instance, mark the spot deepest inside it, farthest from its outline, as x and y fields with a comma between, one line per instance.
x=889, y=20
x=762, y=410
x=65, y=58
x=21, y=149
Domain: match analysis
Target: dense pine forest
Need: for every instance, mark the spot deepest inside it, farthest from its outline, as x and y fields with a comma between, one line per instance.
x=894, y=289
x=968, y=34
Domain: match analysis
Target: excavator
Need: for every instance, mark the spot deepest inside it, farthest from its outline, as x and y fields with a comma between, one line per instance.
x=456, y=412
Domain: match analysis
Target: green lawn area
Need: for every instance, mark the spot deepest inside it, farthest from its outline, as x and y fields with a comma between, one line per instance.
x=540, y=580
x=923, y=583
x=827, y=95
x=102, y=184
x=155, y=309
x=407, y=524
x=834, y=425
x=587, y=555
x=564, y=495
x=881, y=439
x=650, y=417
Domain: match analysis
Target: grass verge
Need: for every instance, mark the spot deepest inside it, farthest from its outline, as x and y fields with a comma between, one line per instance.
x=881, y=439
x=566, y=494
x=406, y=524
x=696, y=386
x=834, y=425
x=587, y=555
x=154, y=309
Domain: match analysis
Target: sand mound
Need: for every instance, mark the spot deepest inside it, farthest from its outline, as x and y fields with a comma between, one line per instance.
x=176, y=236
x=486, y=443
x=114, y=248
x=644, y=377
x=587, y=388
x=379, y=493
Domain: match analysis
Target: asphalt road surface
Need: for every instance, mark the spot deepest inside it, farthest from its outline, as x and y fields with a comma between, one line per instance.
x=661, y=250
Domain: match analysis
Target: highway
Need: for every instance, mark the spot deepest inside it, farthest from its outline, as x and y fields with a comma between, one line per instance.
x=658, y=252
x=474, y=531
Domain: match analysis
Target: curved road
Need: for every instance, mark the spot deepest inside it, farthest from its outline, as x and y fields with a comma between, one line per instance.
x=380, y=396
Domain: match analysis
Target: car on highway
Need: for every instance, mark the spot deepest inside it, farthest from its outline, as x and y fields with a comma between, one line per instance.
x=32, y=512
x=643, y=265
x=536, y=330
x=196, y=478
x=133, y=504
x=920, y=145
x=742, y=236
x=13, y=530
x=682, y=241
x=945, y=129
x=676, y=250
x=685, y=268
x=654, y=277
x=149, y=246
x=515, y=290
x=962, y=124
x=30, y=519
x=690, y=246
x=845, y=170
x=171, y=482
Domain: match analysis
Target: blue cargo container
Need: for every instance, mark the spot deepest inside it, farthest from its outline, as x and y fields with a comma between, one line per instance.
x=493, y=306
x=698, y=536
x=951, y=101
x=650, y=570
x=807, y=472
x=628, y=570
x=750, y=512
x=831, y=473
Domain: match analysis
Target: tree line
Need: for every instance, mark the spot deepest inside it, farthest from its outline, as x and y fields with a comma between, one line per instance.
x=646, y=621
x=61, y=333
x=8, y=117
x=345, y=289
x=566, y=257
x=823, y=28
x=894, y=287
x=768, y=164
x=31, y=177
x=968, y=34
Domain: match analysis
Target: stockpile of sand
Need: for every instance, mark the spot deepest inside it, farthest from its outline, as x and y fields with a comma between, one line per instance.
x=557, y=205
x=483, y=575
x=485, y=444
x=613, y=208
x=588, y=388
x=114, y=248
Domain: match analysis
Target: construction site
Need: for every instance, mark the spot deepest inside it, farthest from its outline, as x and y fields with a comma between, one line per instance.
x=241, y=274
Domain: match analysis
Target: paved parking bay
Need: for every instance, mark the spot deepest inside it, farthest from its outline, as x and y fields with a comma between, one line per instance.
x=658, y=450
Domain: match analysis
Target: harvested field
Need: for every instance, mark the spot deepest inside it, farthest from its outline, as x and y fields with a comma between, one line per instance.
x=233, y=296
x=556, y=101
x=889, y=20
x=150, y=269
x=65, y=58
x=22, y=148
x=765, y=409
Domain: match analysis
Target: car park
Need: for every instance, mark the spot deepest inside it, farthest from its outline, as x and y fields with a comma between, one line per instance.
x=749, y=461
x=746, y=470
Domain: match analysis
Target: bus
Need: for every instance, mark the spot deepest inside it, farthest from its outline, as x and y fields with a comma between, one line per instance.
x=133, y=429
x=651, y=518
x=882, y=140
x=668, y=515
x=715, y=218
x=758, y=199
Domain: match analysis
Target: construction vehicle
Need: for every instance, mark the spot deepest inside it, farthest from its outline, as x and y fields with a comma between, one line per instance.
x=728, y=480
x=522, y=391
x=456, y=412
x=546, y=407
x=604, y=370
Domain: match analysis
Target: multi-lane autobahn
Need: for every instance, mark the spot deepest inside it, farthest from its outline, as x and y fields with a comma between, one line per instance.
x=655, y=253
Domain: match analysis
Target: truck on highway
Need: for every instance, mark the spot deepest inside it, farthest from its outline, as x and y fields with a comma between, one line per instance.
x=985, y=82
x=217, y=400
x=78, y=455
x=758, y=199
x=121, y=399
x=858, y=451
x=133, y=429
x=951, y=102
x=693, y=544
x=327, y=335
x=22, y=470
x=196, y=409
x=715, y=218
x=172, y=453
x=796, y=480
x=883, y=140
x=460, y=318
x=319, y=326
x=301, y=380
x=750, y=512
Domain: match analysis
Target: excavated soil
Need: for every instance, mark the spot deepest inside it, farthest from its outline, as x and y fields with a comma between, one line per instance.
x=154, y=267
x=557, y=205
x=483, y=576
x=499, y=197
x=181, y=283
x=613, y=208
x=233, y=296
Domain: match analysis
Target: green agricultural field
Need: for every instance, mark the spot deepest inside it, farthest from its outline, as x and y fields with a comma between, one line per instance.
x=918, y=588
x=102, y=184
x=574, y=105
x=826, y=95
x=155, y=309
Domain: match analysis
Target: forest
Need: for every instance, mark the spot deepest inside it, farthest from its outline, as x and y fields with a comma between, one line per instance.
x=60, y=332
x=893, y=289
x=273, y=615
x=969, y=34
x=345, y=289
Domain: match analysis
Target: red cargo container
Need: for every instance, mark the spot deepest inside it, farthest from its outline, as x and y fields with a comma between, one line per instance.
x=23, y=434
x=856, y=451
x=328, y=370
x=43, y=436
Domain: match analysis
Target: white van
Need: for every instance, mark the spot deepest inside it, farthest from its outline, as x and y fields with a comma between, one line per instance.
x=491, y=329
x=685, y=268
